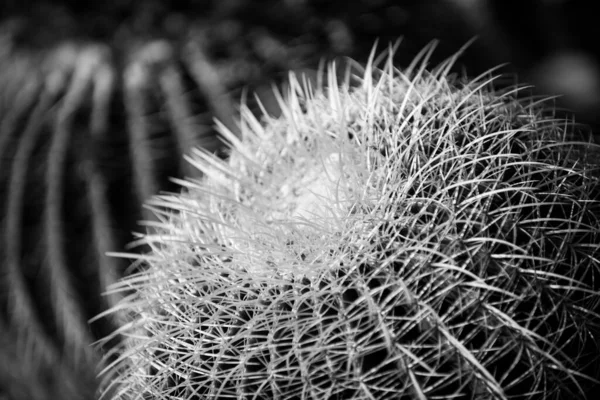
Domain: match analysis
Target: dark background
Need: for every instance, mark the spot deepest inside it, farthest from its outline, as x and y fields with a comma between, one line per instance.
x=551, y=44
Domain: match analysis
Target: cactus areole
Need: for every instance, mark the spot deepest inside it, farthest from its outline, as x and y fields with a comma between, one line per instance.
x=400, y=234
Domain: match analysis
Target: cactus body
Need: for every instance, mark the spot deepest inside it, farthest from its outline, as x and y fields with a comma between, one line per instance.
x=414, y=236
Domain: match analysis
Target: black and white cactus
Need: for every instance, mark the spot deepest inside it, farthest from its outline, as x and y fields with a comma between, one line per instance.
x=402, y=234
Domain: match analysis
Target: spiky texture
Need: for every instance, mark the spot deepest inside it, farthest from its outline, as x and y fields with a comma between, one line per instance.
x=411, y=236
x=90, y=129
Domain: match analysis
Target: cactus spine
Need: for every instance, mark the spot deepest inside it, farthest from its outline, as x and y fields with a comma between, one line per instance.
x=414, y=235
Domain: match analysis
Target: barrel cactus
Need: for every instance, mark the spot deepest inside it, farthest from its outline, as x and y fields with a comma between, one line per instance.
x=399, y=234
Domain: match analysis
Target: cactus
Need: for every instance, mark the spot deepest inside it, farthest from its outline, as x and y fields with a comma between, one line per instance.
x=396, y=235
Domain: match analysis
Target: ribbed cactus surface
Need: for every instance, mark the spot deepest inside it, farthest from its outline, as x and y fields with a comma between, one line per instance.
x=395, y=235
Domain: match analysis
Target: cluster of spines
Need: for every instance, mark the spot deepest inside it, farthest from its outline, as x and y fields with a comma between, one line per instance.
x=454, y=256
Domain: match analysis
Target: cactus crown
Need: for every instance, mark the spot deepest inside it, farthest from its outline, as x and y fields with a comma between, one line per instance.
x=414, y=235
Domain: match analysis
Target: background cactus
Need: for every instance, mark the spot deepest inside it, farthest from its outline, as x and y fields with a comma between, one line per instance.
x=406, y=234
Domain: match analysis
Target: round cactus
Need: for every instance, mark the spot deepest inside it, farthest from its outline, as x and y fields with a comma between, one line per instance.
x=400, y=235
